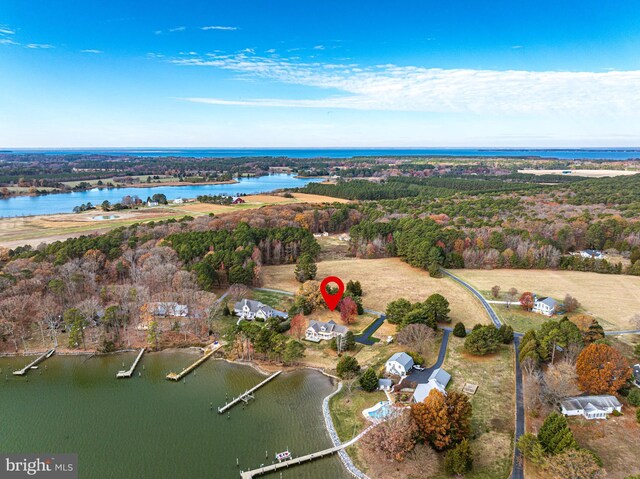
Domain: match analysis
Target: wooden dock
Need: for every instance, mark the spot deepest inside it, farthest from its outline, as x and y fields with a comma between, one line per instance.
x=245, y=396
x=299, y=460
x=209, y=352
x=129, y=372
x=23, y=371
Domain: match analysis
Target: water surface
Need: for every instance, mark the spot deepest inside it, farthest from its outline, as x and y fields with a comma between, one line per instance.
x=149, y=427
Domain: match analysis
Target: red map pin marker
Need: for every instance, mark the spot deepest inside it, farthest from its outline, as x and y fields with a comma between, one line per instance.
x=332, y=300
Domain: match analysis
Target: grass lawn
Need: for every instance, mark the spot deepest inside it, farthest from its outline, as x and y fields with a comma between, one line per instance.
x=611, y=298
x=279, y=301
x=346, y=410
x=521, y=321
x=493, y=406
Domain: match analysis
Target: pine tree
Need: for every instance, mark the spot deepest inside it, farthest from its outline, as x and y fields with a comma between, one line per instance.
x=306, y=268
x=459, y=460
x=369, y=380
x=555, y=435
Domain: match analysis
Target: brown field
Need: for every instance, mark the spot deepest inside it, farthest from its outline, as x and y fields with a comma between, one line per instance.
x=611, y=297
x=586, y=173
x=384, y=280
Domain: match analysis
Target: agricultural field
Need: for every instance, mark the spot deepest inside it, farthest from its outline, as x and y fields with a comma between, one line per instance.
x=613, y=299
x=384, y=280
x=585, y=173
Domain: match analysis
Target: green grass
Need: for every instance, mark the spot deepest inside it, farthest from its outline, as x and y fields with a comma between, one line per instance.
x=519, y=320
x=279, y=301
x=346, y=410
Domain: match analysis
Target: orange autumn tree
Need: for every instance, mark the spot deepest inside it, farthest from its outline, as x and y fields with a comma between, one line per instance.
x=298, y=326
x=443, y=421
x=601, y=369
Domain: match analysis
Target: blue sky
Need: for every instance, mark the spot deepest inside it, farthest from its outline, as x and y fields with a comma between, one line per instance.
x=323, y=73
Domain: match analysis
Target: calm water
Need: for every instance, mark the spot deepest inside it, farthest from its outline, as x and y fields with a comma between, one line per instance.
x=65, y=202
x=148, y=427
x=562, y=153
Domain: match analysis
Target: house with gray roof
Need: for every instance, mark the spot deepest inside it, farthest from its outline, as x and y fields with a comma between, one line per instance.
x=438, y=380
x=249, y=310
x=590, y=407
x=317, y=331
x=546, y=306
x=399, y=364
x=385, y=384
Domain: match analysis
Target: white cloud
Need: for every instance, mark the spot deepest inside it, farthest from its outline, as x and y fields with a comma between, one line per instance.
x=7, y=41
x=411, y=88
x=38, y=45
x=6, y=30
x=219, y=27
x=177, y=29
x=90, y=50
x=319, y=47
x=516, y=47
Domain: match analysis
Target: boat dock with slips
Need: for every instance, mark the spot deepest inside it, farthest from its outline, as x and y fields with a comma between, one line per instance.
x=129, y=372
x=208, y=353
x=248, y=394
x=32, y=364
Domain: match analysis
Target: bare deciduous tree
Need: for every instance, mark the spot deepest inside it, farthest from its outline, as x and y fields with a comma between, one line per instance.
x=418, y=337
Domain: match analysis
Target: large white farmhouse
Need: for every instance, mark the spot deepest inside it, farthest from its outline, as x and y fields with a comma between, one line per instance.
x=317, y=331
x=249, y=310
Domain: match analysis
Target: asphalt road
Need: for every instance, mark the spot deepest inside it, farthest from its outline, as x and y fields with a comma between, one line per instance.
x=423, y=376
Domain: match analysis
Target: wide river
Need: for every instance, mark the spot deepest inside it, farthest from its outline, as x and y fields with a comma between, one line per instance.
x=149, y=427
x=65, y=202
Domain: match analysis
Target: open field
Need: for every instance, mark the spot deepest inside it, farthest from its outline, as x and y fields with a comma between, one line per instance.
x=586, y=173
x=384, y=280
x=34, y=230
x=613, y=298
x=492, y=424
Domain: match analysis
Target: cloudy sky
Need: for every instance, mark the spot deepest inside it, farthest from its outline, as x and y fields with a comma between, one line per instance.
x=271, y=73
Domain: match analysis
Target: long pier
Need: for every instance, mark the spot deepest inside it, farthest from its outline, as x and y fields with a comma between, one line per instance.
x=129, y=372
x=247, y=394
x=299, y=460
x=187, y=370
x=23, y=371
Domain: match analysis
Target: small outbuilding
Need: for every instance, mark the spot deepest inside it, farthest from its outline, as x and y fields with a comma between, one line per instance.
x=385, y=384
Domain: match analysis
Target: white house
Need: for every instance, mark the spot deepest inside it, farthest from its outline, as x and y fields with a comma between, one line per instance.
x=590, y=407
x=169, y=309
x=438, y=380
x=248, y=309
x=591, y=253
x=399, y=364
x=178, y=201
x=317, y=331
x=546, y=306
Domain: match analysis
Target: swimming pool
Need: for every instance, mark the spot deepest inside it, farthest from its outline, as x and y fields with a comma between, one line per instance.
x=379, y=411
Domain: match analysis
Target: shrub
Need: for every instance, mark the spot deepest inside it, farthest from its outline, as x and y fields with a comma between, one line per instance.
x=638, y=415
x=459, y=331
x=459, y=460
x=531, y=448
x=417, y=359
x=634, y=397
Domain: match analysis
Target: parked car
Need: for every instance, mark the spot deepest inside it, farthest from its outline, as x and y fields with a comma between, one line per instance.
x=418, y=367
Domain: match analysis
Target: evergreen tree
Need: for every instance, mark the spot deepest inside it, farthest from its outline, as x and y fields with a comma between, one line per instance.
x=483, y=340
x=397, y=310
x=555, y=435
x=226, y=311
x=347, y=366
x=506, y=332
x=306, y=268
x=437, y=308
x=459, y=330
x=354, y=288
x=349, y=341
x=369, y=380
x=459, y=460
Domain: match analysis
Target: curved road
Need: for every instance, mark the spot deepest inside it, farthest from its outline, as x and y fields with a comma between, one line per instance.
x=517, y=471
